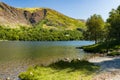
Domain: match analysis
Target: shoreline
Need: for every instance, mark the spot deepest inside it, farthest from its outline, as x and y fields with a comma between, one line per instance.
x=4, y=40
x=109, y=67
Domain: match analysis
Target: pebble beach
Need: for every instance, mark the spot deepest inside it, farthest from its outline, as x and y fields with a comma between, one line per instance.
x=109, y=68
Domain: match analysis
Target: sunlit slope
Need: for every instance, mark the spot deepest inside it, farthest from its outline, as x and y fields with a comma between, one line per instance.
x=56, y=20
x=37, y=17
x=60, y=21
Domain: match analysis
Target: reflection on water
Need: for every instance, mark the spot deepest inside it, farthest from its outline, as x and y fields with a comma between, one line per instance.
x=16, y=56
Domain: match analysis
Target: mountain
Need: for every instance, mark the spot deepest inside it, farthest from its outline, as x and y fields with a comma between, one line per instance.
x=37, y=17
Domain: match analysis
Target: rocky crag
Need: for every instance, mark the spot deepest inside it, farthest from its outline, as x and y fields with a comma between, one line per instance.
x=10, y=16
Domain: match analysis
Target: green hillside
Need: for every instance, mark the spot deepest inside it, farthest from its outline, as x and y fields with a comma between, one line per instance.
x=44, y=25
x=57, y=21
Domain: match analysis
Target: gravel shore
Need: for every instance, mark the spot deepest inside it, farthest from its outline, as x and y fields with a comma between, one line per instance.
x=109, y=68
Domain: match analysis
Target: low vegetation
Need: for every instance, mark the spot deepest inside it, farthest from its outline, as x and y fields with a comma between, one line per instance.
x=114, y=53
x=39, y=34
x=96, y=48
x=61, y=70
x=112, y=48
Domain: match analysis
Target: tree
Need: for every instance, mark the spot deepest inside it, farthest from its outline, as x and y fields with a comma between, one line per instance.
x=95, y=26
x=114, y=21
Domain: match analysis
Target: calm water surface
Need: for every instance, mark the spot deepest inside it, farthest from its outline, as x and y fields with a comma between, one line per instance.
x=17, y=56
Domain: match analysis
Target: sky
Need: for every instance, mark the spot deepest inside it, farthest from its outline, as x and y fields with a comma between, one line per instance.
x=79, y=9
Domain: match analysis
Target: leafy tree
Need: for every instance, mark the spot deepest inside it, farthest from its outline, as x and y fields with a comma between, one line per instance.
x=114, y=21
x=95, y=26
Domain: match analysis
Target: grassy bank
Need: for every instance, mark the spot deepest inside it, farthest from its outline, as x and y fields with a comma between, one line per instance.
x=61, y=70
x=112, y=47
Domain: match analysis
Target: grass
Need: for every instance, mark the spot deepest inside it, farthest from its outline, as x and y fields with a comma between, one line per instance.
x=31, y=9
x=112, y=46
x=57, y=20
x=114, y=53
x=61, y=70
x=95, y=48
x=0, y=8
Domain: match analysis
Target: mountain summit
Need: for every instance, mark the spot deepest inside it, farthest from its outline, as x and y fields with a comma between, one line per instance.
x=29, y=17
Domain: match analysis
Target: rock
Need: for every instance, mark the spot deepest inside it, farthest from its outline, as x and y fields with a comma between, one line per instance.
x=67, y=59
x=8, y=78
x=37, y=16
x=78, y=59
x=13, y=16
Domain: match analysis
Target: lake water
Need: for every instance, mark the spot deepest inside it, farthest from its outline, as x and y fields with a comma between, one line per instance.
x=17, y=56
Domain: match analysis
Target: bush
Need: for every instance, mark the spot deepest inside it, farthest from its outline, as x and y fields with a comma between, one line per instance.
x=39, y=34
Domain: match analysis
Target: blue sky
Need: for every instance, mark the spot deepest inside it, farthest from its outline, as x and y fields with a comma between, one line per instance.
x=79, y=9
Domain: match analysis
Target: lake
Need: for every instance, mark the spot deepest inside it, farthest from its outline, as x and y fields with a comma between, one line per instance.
x=17, y=56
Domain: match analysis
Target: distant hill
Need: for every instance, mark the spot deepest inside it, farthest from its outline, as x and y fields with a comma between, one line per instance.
x=37, y=17
x=83, y=20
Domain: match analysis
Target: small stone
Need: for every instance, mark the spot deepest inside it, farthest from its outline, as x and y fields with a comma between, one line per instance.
x=8, y=78
x=67, y=59
x=78, y=59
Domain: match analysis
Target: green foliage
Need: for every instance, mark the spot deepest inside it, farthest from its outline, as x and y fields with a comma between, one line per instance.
x=96, y=48
x=114, y=21
x=114, y=54
x=95, y=26
x=61, y=70
x=39, y=34
x=41, y=23
x=111, y=32
x=103, y=47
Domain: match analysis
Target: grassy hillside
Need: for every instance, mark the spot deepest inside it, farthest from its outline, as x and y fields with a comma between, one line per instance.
x=57, y=21
x=37, y=17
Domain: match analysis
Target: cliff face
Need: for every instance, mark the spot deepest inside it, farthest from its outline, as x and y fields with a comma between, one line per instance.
x=10, y=16
x=36, y=16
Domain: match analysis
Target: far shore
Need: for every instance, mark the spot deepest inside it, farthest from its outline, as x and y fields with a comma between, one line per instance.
x=4, y=40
